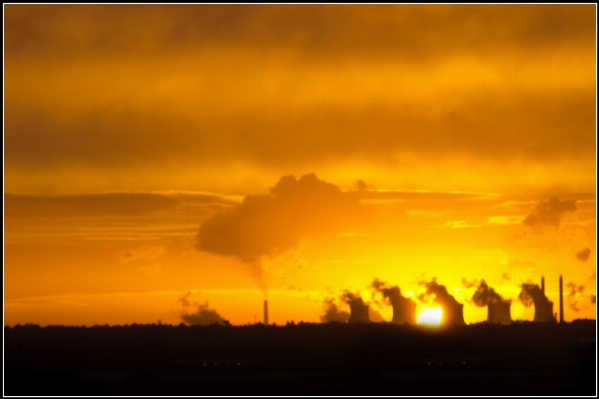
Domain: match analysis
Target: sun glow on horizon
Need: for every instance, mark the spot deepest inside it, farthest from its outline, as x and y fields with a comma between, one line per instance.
x=430, y=316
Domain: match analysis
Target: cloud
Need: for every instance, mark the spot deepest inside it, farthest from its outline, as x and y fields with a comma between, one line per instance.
x=117, y=204
x=318, y=30
x=549, y=214
x=141, y=253
x=458, y=224
x=269, y=225
x=151, y=84
x=421, y=195
x=127, y=204
x=583, y=254
x=203, y=315
x=504, y=219
x=149, y=269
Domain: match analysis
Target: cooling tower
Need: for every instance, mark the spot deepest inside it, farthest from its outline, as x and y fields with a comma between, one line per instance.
x=499, y=312
x=358, y=312
x=453, y=313
x=543, y=306
x=404, y=311
x=544, y=310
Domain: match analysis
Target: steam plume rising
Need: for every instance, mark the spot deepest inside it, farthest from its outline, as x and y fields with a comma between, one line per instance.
x=549, y=213
x=533, y=294
x=468, y=284
x=268, y=225
x=485, y=295
x=202, y=316
x=498, y=309
x=358, y=309
x=332, y=312
x=452, y=309
x=404, y=309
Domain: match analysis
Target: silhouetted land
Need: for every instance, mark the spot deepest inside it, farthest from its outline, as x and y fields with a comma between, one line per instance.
x=303, y=359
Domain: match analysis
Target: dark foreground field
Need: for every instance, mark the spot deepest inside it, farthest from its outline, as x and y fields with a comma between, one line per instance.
x=305, y=359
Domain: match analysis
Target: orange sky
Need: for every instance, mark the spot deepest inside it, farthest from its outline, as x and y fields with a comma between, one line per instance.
x=127, y=127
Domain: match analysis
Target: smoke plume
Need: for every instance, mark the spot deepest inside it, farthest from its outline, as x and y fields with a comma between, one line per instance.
x=485, y=295
x=268, y=225
x=352, y=299
x=359, y=310
x=403, y=308
x=438, y=293
x=332, y=312
x=452, y=309
x=203, y=316
x=498, y=309
x=468, y=284
x=549, y=213
x=532, y=294
x=584, y=254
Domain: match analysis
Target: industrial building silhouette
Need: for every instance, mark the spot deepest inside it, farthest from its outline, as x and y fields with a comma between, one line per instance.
x=499, y=312
x=532, y=293
x=358, y=312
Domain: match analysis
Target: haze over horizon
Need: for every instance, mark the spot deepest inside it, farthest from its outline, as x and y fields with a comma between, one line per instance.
x=227, y=154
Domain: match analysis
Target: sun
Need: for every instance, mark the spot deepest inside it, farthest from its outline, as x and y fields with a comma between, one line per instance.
x=430, y=316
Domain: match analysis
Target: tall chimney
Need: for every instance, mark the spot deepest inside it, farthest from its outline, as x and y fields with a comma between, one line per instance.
x=543, y=285
x=265, y=312
x=561, y=299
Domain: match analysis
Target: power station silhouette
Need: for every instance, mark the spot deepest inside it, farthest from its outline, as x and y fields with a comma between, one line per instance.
x=498, y=312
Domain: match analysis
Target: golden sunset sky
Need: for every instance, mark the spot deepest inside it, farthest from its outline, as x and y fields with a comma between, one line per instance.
x=437, y=136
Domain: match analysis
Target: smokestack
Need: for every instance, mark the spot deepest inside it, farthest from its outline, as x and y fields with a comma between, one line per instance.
x=265, y=313
x=561, y=300
x=543, y=285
